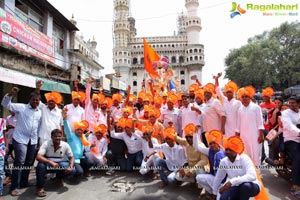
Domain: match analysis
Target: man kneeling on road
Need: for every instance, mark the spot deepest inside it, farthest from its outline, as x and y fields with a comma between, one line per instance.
x=54, y=156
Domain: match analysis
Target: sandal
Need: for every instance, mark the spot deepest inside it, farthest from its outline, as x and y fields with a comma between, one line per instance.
x=41, y=192
x=15, y=193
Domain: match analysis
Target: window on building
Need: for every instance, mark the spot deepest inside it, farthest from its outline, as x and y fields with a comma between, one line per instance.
x=142, y=60
x=173, y=59
x=195, y=50
x=33, y=17
x=182, y=82
x=134, y=61
x=134, y=83
x=134, y=74
x=181, y=59
x=182, y=72
x=58, y=37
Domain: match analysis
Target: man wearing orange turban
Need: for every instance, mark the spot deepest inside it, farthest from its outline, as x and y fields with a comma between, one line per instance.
x=77, y=141
x=51, y=114
x=116, y=108
x=75, y=112
x=250, y=124
x=171, y=114
x=92, y=110
x=134, y=146
x=266, y=106
x=230, y=104
x=215, y=154
x=242, y=182
x=95, y=155
x=214, y=116
x=174, y=157
x=150, y=155
x=197, y=162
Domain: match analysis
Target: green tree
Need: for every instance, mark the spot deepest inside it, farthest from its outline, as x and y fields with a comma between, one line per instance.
x=269, y=59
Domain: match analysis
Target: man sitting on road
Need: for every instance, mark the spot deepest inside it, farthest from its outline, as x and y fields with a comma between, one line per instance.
x=54, y=156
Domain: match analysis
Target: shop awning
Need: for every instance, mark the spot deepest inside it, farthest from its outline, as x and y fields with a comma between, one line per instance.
x=49, y=85
x=18, y=78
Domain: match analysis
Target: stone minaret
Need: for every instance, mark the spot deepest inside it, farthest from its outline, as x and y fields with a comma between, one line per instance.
x=121, y=38
x=194, y=53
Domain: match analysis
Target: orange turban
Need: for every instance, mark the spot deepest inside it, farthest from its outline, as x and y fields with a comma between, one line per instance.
x=117, y=97
x=268, y=92
x=78, y=95
x=247, y=90
x=121, y=122
x=128, y=123
x=199, y=94
x=193, y=87
x=189, y=129
x=147, y=129
x=95, y=96
x=172, y=98
x=127, y=109
x=107, y=101
x=158, y=99
x=164, y=94
x=231, y=86
x=132, y=97
x=101, y=97
x=179, y=96
x=83, y=125
x=146, y=108
x=170, y=132
x=234, y=143
x=142, y=95
x=53, y=96
x=100, y=128
x=209, y=87
x=148, y=97
x=154, y=112
x=214, y=136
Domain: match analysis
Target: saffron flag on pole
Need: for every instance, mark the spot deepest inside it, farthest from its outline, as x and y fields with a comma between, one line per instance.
x=150, y=56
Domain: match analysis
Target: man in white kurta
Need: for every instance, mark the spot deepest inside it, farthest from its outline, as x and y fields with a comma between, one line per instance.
x=75, y=111
x=230, y=105
x=92, y=111
x=250, y=125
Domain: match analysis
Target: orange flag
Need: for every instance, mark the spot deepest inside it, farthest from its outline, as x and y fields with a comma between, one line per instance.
x=150, y=56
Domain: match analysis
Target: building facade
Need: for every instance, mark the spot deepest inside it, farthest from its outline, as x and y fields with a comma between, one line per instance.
x=38, y=43
x=183, y=50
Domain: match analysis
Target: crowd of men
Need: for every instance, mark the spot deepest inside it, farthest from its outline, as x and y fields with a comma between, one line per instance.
x=203, y=135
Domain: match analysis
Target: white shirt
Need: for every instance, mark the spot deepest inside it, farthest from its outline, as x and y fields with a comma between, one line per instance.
x=231, y=109
x=175, y=156
x=51, y=119
x=91, y=115
x=189, y=116
x=240, y=171
x=74, y=114
x=212, y=113
x=145, y=145
x=289, y=120
x=116, y=113
x=28, y=121
x=61, y=154
x=101, y=145
x=133, y=144
x=173, y=116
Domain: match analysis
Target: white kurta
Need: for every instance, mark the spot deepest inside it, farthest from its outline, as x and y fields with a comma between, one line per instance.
x=231, y=109
x=249, y=123
x=74, y=114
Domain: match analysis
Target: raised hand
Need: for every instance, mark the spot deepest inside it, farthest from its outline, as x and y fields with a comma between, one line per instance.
x=39, y=83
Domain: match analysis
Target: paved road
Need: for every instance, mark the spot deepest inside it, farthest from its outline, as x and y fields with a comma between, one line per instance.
x=99, y=186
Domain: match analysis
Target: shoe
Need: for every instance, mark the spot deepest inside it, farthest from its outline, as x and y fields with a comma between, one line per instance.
x=14, y=193
x=295, y=191
x=88, y=174
x=41, y=192
x=110, y=172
